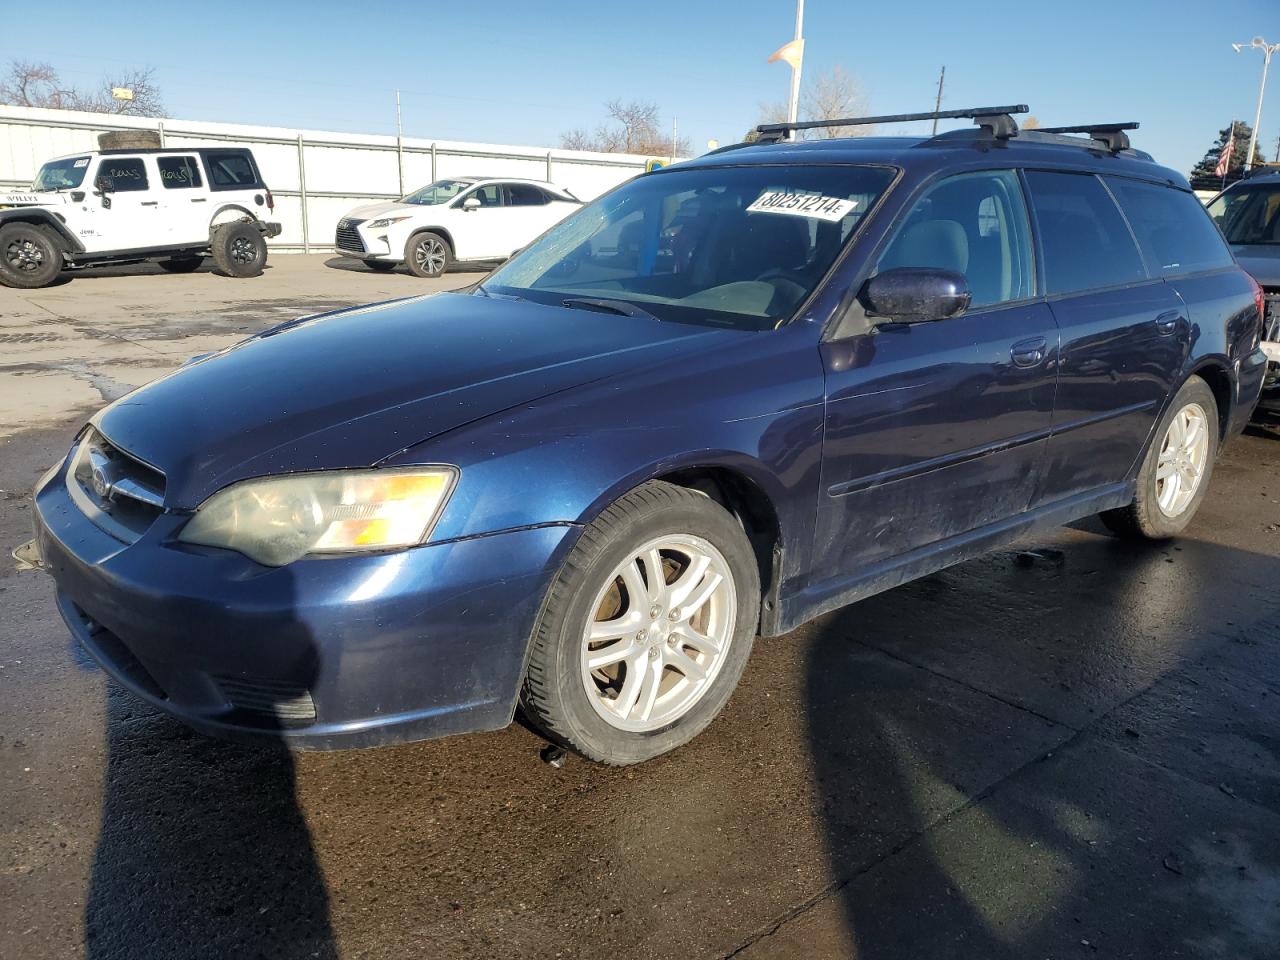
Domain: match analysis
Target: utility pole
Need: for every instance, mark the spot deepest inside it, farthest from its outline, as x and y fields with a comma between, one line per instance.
x=793, y=105
x=937, y=104
x=1257, y=43
x=399, y=145
x=673, y=139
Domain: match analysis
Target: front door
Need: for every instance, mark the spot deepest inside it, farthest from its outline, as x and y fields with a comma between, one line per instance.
x=936, y=429
x=127, y=217
x=484, y=232
x=1124, y=334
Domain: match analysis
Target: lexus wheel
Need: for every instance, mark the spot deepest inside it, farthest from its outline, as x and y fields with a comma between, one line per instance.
x=647, y=627
x=427, y=255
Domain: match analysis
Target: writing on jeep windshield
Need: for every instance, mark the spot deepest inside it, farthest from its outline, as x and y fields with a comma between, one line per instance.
x=61, y=174
x=1249, y=215
x=730, y=246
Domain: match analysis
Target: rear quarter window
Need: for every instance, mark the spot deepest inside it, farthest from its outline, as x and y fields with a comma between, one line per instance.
x=1173, y=228
x=230, y=170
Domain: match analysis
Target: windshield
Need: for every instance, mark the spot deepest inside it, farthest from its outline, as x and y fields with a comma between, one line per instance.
x=730, y=246
x=61, y=174
x=442, y=191
x=1249, y=215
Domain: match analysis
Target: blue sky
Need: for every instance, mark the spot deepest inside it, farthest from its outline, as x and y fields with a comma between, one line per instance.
x=523, y=72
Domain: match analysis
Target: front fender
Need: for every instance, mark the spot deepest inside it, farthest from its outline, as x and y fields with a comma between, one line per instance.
x=70, y=243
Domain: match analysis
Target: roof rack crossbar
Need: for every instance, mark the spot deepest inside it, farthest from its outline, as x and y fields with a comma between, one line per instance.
x=1112, y=134
x=996, y=119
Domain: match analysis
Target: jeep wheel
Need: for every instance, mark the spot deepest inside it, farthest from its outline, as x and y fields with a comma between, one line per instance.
x=181, y=264
x=29, y=256
x=239, y=249
x=427, y=255
x=381, y=266
x=646, y=629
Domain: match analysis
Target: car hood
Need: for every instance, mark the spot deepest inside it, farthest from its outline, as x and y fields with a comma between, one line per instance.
x=351, y=388
x=1262, y=261
x=382, y=209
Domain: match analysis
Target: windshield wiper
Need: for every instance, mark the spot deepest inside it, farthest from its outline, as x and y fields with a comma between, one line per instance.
x=622, y=307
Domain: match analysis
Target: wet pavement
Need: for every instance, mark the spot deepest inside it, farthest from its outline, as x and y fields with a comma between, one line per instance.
x=1070, y=752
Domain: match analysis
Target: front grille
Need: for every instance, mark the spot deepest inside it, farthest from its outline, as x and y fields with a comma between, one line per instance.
x=348, y=238
x=277, y=699
x=1271, y=320
x=118, y=492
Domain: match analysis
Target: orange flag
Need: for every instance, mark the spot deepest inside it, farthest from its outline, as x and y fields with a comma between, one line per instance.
x=791, y=53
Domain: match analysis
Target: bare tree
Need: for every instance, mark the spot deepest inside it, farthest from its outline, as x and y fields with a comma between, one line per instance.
x=635, y=127
x=38, y=85
x=1032, y=122
x=828, y=96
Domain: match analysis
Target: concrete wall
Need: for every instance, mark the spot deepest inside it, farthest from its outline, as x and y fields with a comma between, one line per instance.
x=316, y=176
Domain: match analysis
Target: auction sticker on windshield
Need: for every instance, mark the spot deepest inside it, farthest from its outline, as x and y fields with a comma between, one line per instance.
x=803, y=205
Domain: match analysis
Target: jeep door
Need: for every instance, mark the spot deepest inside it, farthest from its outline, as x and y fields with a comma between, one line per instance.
x=935, y=429
x=184, y=199
x=1124, y=333
x=483, y=232
x=128, y=216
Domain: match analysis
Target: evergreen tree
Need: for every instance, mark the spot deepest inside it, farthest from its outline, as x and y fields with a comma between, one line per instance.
x=1202, y=176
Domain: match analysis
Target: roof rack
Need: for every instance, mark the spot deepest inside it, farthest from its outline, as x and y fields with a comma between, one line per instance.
x=997, y=120
x=1112, y=134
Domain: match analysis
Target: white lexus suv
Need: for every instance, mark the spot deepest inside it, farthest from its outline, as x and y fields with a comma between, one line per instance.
x=466, y=218
x=175, y=206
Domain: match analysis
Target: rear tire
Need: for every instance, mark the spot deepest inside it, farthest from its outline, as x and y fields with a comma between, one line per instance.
x=624, y=668
x=239, y=249
x=181, y=264
x=30, y=257
x=427, y=255
x=1175, y=473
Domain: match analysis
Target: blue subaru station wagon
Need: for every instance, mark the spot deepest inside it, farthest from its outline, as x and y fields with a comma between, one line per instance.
x=725, y=398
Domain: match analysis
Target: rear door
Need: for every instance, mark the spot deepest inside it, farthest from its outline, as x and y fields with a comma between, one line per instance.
x=184, y=199
x=1124, y=330
x=531, y=212
x=936, y=429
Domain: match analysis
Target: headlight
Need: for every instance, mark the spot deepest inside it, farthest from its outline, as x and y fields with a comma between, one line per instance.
x=278, y=520
x=384, y=222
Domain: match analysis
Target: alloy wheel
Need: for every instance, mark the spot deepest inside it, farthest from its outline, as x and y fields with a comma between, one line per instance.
x=660, y=631
x=24, y=256
x=430, y=255
x=243, y=250
x=1184, y=454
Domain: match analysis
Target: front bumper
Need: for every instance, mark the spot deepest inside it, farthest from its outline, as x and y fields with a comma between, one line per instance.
x=325, y=653
x=1269, y=402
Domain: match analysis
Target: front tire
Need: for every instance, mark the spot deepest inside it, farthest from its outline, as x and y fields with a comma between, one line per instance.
x=239, y=249
x=646, y=629
x=427, y=255
x=29, y=256
x=1175, y=473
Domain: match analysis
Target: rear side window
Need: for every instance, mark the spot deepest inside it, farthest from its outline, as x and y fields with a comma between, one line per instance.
x=1085, y=240
x=1173, y=229
x=526, y=195
x=126, y=173
x=177, y=173
x=974, y=224
x=230, y=169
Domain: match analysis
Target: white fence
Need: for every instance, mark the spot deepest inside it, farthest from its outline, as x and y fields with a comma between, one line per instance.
x=315, y=176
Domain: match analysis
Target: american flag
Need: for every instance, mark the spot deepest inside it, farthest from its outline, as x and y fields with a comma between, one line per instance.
x=1224, y=161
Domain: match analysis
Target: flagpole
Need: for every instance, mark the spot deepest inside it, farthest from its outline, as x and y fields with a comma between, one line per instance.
x=793, y=107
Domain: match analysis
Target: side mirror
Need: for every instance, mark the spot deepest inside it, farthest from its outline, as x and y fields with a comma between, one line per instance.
x=915, y=294
x=104, y=185
x=471, y=203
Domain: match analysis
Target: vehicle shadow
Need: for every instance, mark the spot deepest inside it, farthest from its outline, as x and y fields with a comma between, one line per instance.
x=938, y=693
x=203, y=850
x=352, y=265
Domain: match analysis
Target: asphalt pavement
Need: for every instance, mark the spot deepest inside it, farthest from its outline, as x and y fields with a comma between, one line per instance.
x=1071, y=749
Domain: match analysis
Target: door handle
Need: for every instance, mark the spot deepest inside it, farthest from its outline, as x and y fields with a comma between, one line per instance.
x=199, y=199
x=1168, y=322
x=1028, y=353
x=148, y=203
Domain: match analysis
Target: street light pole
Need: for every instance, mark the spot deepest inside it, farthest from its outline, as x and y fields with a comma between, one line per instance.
x=1267, y=50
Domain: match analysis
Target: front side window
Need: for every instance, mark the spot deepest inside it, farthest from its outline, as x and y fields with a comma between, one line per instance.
x=490, y=195
x=178, y=173
x=61, y=174
x=974, y=224
x=729, y=246
x=1173, y=229
x=1249, y=215
x=442, y=191
x=230, y=169
x=125, y=173
x=1085, y=240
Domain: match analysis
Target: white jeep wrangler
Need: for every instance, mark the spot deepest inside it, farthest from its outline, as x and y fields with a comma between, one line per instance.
x=175, y=206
